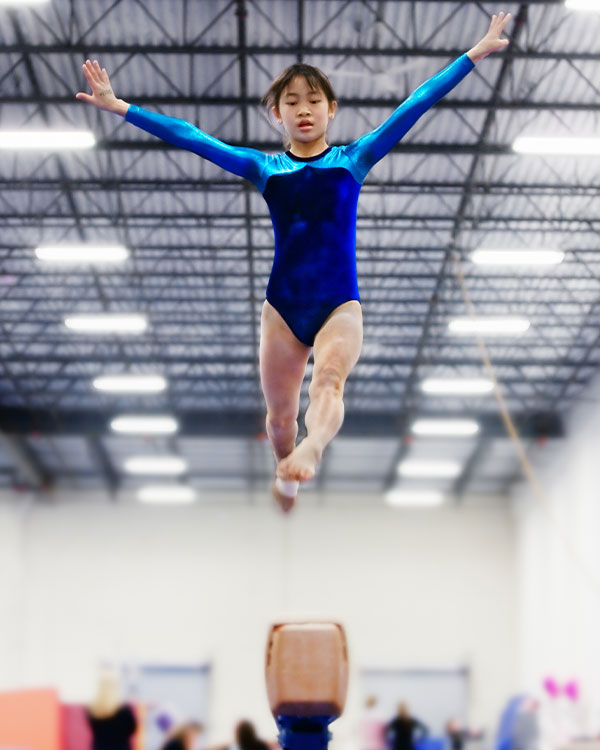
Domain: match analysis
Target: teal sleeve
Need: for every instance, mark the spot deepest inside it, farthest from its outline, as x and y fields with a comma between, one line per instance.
x=245, y=162
x=367, y=150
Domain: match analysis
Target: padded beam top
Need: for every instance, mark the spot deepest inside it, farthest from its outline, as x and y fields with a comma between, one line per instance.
x=307, y=670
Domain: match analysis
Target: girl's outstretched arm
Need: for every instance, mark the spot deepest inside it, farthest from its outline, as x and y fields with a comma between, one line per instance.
x=245, y=162
x=367, y=150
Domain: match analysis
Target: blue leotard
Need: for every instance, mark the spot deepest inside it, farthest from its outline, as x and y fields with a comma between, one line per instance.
x=312, y=201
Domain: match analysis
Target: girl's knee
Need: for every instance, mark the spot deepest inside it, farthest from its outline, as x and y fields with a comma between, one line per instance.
x=282, y=420
x=328, y=378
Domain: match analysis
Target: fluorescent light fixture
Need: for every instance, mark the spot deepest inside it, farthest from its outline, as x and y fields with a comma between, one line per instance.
x=445, y=427
x=495, y=326
x=414, y=498
x=46, y=140
x=418, y=467
x=82, y=253
x=167, y=494
x=573, y=146
x=111, y=323
x=155, y=465
x=130, y=383
x=585, y=5
x=517, y=257
x=144, y=424
x=457, y=386
x=23, y=2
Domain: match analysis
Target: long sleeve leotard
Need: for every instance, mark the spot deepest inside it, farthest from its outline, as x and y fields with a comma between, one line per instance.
x=312, y=201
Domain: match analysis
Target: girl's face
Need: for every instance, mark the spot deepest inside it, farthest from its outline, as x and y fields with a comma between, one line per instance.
x=304, y=112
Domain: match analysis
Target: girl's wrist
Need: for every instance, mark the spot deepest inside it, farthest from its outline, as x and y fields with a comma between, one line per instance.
x=476, y=53
x=120, y=107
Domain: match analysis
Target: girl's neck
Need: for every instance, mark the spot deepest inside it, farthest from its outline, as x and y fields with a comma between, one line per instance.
x=306, y=150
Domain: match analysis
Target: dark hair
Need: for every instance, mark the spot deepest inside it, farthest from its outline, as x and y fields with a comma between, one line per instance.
x=181, y=732
x=246, y=738
x=315, y=78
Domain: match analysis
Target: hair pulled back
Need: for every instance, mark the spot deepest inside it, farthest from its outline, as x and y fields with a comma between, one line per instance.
x=315, y=78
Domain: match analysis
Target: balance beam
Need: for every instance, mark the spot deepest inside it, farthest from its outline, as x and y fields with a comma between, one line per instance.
x=307, y=680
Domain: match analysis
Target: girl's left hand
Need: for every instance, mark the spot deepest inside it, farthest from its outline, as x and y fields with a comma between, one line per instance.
x=491, y=42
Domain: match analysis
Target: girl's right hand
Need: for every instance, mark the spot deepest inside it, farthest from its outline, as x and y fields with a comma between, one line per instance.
x=102, y=94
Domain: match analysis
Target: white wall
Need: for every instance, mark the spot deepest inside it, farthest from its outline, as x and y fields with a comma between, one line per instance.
x=559, y=561
x=12, y=531
x=125, y=582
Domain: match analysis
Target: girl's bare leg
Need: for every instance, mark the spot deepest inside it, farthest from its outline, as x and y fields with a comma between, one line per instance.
x=282, y=366
x=336, y=351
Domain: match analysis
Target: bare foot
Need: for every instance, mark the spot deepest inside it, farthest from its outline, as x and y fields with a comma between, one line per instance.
x=286, y=502
x=301, y=464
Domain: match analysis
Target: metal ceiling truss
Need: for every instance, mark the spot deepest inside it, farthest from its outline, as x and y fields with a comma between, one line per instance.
x=201, y=244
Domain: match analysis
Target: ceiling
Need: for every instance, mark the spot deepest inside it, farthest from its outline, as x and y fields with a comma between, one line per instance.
x=201, y=243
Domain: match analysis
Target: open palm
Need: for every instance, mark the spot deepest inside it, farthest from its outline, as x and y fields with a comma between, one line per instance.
x=492, y=41
x=102, y=94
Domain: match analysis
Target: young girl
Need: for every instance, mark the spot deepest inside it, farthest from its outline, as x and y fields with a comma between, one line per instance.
x=312, y=191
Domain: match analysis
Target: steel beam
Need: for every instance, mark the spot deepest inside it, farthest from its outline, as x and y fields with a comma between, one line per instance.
x=26, y=461
x=16, y=421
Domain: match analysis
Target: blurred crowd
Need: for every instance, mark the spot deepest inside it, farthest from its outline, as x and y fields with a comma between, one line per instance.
x=523, y=725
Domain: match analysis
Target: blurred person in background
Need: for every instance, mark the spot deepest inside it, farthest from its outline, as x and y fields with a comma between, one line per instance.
x=519, y=726
x=458, y=736
x=184, y=737
x=246, y=739
x=526, y=733
x=111, y=721
x=372, y=726
x=405, y=731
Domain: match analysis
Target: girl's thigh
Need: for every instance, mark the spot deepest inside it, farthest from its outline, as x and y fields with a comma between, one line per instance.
x=283, y=360
x=338, y=343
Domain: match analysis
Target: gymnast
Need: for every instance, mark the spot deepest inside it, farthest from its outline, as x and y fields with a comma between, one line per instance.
x=311, y=190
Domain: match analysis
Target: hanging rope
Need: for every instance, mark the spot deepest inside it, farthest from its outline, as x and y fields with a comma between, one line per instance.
x=530, y=474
